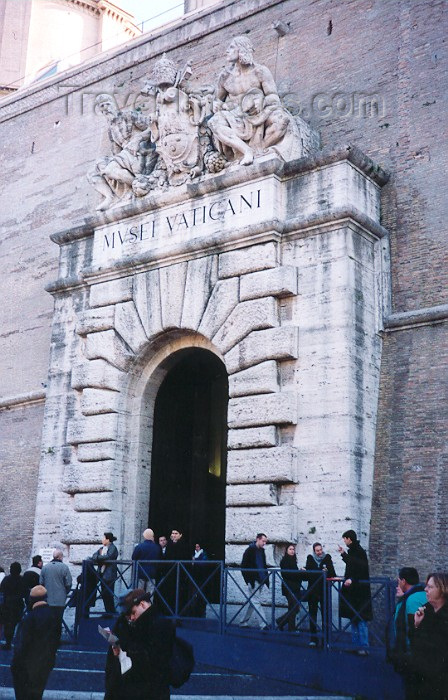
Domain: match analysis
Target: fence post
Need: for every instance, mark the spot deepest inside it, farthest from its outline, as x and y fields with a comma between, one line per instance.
x=223, y=607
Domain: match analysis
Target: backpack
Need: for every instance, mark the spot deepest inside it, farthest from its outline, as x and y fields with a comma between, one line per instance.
x=181, y=663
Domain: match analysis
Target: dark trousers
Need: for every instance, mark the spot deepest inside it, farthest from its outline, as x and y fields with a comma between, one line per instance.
x=289, y=617
x=107, y=594
x=313, y=606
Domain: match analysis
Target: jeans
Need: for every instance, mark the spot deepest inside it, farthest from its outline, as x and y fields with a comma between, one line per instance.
x=360, y=633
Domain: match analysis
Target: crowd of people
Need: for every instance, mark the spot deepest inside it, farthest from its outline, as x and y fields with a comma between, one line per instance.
x=144, y=635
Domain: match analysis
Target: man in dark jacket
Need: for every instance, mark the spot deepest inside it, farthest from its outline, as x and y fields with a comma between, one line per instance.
x=317, y=561
x=177, y=549
x=31, y=576
x=105, y=557
x=356, y=601
x=255, y=558
x=14, y=593
x=149, y=644
x=35, y=647
x=147, y=551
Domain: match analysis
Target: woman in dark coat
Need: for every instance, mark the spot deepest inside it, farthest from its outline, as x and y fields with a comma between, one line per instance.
x=14, y=592
x=356, y=600
x=35, y=647
x=428, y=679
x=292, y=579
x=105, y=558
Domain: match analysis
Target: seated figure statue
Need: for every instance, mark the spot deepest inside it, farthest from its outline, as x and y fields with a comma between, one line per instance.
x=249, y=118
x=129, y=132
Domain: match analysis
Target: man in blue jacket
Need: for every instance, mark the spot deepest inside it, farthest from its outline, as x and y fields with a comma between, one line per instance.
x=147, y=551
x=411, y=596
x=255, y=558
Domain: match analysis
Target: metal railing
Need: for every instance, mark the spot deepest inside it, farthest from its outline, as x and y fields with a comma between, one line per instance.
x=219, y=597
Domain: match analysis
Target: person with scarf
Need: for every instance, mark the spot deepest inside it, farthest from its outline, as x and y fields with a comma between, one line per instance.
x=316, y=562
x=292, y=579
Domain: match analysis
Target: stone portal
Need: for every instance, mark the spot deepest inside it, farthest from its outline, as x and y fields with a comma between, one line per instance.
x=228, y=237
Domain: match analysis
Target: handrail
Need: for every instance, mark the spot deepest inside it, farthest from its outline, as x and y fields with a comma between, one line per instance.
x=190, y=589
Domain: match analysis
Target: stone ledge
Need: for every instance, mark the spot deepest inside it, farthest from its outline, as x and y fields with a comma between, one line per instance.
x=414, y=319
x=88, y=477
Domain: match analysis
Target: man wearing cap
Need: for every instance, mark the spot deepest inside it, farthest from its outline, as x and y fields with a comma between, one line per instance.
x=148, y=642
x=105, y=557
x=35, y=647
x=57, y=579
x=147, y=551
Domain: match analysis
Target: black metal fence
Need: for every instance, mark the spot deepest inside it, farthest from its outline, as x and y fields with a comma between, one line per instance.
x=308, y=608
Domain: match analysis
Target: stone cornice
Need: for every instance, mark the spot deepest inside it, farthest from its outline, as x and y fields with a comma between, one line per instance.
x=186, y=30
x=21, y=400
x=237, y=175
x=413, y=319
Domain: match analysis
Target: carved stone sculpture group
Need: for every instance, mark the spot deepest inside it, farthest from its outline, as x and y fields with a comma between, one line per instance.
x=189, y=131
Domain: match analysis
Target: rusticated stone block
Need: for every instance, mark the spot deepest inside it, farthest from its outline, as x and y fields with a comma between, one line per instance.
x=95, y=401
x=97, y=373
x=246, y=317
x=88, y=477
x=147, y=301
x=223, y=299
x=271, y=465
x=88, y=527
x=251, y=494
x=109, y=346
x=111, y=292
x=279, y=282
x=260, y=379
x=264, y=409
x=79, y=552
x=98, y=319
x=201, y=276
x=243, y=523
x=269, y=344
x=91, y=502
x=252, y=437
x=172, y=288
x=129, y=326
x=92, y=428
x=96, y=451
x=240, y=262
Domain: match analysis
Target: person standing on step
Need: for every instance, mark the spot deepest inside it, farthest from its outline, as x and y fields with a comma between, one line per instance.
x=356, y=600
x=14, y=591
x=255, y=558
x=317, y=561
x=57, y=579
x=35, y=647
x=147, y=552
x=105, y=557
x=291, y=588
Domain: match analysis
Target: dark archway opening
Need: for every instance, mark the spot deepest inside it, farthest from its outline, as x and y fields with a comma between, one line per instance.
x=188, y=466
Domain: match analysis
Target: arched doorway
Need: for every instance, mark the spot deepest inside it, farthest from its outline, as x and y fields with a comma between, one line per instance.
x=188, y=466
